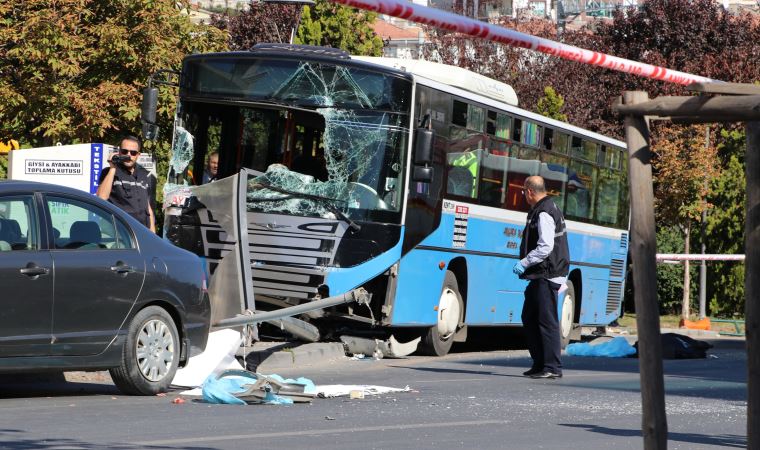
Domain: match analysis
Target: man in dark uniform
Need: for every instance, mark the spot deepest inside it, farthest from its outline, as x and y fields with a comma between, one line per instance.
x=126, y=184
x=544, y=260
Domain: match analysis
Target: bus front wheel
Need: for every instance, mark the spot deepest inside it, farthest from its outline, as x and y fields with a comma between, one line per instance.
x=567, y=314
x=439, y=338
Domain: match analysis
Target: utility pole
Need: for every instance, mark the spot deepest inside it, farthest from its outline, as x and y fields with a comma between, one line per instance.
x=703, y=266
x=654, y=425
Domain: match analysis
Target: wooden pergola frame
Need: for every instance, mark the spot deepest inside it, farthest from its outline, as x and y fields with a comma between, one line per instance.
x=738, y=103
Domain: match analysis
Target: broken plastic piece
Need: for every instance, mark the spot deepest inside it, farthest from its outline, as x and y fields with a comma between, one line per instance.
x=390, y=348
x=240, y=387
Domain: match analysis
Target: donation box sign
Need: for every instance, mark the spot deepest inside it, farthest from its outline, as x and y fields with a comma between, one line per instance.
x=77, y=166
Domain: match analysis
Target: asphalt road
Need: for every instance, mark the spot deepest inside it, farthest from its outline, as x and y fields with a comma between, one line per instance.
x=465, y=400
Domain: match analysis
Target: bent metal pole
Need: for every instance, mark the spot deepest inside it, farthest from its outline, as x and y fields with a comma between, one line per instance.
x=359, y=295
x=404, y=9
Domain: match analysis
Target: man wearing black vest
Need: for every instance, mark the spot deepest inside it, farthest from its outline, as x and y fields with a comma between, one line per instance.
x=544, y=260
x=127, y=184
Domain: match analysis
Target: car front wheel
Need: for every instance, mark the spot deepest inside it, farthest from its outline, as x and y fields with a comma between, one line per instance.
x=151, y=354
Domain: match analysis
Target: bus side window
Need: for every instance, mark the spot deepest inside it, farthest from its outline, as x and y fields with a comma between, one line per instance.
x=517, y=130
x=554, y=170
x=581, y=185
x=463, y=162
x=459, y=115
x=612, y=197
x=560, y=142
x=522, y=164
x=493, y=173
x=548, y=138
x=531, y=133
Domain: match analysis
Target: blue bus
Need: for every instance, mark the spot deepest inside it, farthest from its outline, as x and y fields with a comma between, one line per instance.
x=402, y=177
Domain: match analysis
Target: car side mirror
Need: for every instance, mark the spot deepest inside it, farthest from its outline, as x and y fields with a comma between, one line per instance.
x=148, y=112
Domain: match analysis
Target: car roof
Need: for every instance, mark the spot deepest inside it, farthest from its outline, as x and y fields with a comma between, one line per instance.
x=35, y=186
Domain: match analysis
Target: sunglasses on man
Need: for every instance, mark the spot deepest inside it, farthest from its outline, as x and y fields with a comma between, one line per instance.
x=124, y=151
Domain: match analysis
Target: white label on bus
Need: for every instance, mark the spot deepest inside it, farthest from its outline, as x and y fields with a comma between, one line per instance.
x=459, y=238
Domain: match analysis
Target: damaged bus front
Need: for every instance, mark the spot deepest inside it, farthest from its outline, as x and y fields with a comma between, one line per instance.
x=312, y=152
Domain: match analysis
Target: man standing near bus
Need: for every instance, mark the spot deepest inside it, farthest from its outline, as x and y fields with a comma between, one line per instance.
x=544, y=260
x=126, y=184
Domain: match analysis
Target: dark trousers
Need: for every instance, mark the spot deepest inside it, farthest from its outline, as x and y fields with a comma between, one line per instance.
x=539, y=318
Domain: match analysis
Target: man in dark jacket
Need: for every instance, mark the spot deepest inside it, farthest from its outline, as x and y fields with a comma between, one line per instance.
x=544, y=260
x=126, y=184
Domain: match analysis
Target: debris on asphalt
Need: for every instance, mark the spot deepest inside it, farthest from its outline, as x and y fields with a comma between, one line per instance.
x=329, y=418
x=390, y=348
x=178, y=401
x=241, y=387
x=356, y=394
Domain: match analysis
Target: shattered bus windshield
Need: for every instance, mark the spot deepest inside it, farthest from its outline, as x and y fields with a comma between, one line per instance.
x=317, y=129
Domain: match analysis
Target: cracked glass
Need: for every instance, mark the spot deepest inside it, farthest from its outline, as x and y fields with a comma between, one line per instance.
x=324, y=140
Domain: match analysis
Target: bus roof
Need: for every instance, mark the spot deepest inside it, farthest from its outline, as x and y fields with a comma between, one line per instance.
x=466, y=81
x=449, y=75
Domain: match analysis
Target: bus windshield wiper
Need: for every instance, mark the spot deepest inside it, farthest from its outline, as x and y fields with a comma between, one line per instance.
x=327, y=202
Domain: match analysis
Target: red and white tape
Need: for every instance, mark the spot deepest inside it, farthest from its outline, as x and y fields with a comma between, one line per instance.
x=453, y=22
x=697, y=257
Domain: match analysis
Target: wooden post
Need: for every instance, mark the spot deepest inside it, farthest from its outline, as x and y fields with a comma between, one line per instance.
x=752, y=283
x=643, y=248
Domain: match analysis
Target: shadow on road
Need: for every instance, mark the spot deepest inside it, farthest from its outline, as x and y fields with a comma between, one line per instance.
x=725, y=440
x=24, y=385
x=13, y=439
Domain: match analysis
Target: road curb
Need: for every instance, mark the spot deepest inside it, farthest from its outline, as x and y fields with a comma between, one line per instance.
x=291, y=355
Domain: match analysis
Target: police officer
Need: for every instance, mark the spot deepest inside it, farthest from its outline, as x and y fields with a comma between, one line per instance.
x=544, y=260
x=126, y=184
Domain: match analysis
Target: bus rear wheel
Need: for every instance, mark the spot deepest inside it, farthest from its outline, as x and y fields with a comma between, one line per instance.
x=440, y=337
x=567, y=315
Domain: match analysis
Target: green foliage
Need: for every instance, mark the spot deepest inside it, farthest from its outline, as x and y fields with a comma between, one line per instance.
x=73, y=70
x=332, y=25
x=725, y=228
x=550, y=105
x=670, y=276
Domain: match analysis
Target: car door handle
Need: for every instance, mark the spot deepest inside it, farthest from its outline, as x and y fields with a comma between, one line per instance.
x=34, y=271
x=122, y=268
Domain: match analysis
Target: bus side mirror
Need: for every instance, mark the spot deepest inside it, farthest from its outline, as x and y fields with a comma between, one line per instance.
x=148, y=113
x=422, y=174
x=423, y=155
x=423, y=147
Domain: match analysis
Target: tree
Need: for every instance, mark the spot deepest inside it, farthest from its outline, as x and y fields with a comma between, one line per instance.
x=682, y=165
x=694, y=36
x=332, y=25
x=498, y=61
x=550, y=105
x=73, y=70
x=261, y=22
x=324, y=24
x=725, y=227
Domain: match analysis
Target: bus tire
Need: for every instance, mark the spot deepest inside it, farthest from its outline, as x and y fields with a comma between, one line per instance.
x=567, y=315
x=438, y=339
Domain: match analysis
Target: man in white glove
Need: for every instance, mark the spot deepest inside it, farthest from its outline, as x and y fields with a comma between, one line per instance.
x=544, y=260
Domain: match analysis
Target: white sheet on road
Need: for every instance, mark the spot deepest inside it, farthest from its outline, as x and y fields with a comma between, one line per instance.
x=218, y=356
x=340, y=390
